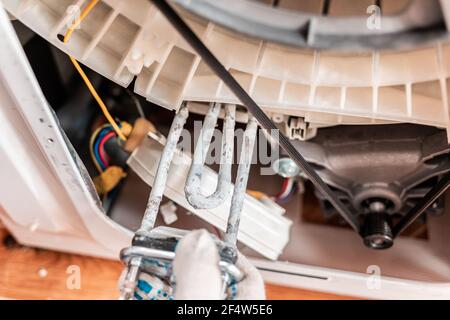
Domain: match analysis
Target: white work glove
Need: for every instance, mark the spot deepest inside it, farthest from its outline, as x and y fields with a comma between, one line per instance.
x=197, y=272
x=152, y=288
x=198, y=276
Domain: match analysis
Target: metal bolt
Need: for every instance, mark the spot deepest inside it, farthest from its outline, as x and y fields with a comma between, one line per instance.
x=286, y=168
x=376, y=231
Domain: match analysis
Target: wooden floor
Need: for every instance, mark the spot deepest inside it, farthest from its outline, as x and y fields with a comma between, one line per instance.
x=27, y=273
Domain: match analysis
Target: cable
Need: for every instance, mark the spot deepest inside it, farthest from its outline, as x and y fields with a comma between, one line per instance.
x=98, y=99
x=96, y=148
x=91, y=149
x=83, y=75
x=92, y=146
x=288, y=189
x=101, y=147
x=97, y=152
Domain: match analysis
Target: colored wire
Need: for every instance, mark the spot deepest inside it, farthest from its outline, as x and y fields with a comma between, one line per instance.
x=83, y=75
x=287, y=190
x=92, y=152
x=99, y=153
x=283, y=189
x=101, y=148
x=92, y=146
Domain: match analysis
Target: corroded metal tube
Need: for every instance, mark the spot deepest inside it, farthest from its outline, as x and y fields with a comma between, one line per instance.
x=193, y=183
x=240, y=186
x=162, y=172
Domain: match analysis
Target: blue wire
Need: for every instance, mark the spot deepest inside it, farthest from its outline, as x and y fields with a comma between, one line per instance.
x=96, y=150
x=104, y=132
x=101, y=134
x=97, y=156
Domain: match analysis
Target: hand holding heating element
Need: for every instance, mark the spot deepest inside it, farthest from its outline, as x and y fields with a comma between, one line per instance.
x=197, y=274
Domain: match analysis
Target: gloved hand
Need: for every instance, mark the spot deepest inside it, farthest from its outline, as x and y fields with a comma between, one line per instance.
x=252, y=286
x=197, y=273
x=152, y=288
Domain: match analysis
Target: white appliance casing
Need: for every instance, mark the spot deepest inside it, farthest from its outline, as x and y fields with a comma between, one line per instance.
x=46, y=202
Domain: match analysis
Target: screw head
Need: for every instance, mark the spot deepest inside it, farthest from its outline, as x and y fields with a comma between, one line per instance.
x=286, y=168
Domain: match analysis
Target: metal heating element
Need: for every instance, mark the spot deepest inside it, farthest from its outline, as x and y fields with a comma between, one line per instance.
x=152, y=247
x=193, y=184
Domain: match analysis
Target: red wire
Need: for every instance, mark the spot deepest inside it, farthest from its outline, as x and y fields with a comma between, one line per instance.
x=283, y=188
x=103, y=156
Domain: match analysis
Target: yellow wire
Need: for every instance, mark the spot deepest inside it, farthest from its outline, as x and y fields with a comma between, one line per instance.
x=80, y=19
x=83, y=75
